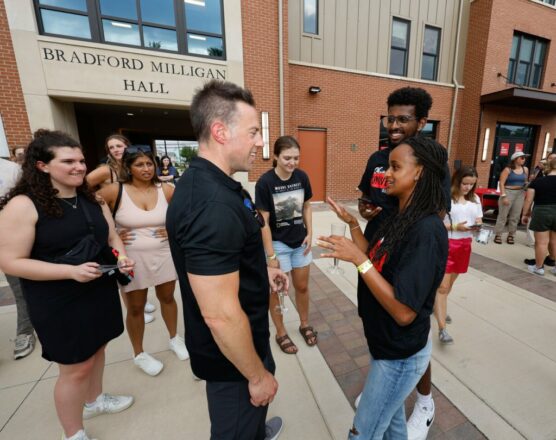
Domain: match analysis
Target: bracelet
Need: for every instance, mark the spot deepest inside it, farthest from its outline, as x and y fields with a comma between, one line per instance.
x=122, y=257
x=272, y=257
x=355, y=227
x=364, y=267
x=503, y=195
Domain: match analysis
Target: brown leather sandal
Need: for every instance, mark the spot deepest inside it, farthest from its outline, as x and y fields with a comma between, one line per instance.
x=309, y=333
x=285, y=344
x=510, y=239
x=497, y=239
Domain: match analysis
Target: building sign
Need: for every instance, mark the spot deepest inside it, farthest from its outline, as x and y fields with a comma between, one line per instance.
x=109, y=73
x=504, y=148
x=518, y=148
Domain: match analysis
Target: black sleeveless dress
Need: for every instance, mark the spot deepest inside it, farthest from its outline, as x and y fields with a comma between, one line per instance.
x=72, y=320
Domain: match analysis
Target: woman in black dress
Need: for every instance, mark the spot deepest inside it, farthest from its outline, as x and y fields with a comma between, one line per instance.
x=75, y=308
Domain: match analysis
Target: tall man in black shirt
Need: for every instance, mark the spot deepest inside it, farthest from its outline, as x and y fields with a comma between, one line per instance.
x=215, y=238
x=408, y=110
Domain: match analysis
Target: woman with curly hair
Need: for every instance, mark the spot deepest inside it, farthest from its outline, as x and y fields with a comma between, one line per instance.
x=401, y=268
x=74, y=308
x=112, y=170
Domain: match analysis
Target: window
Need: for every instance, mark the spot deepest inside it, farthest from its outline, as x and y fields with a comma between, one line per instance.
x=310, y=16
x=193, y=27
x=399, y=47
x=526, y=60
x=431, y=48
x=550, y=2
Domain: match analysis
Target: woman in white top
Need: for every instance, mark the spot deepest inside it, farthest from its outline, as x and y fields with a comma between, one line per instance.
x=465, y=217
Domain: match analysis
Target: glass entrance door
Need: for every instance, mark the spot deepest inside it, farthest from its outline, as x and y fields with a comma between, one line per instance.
x=510, y=138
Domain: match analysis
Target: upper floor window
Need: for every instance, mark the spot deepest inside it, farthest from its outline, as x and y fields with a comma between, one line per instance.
x=431, y=48
x=550, y=2
x=192, y=27
x=310, y=16
x=399, y=47
x=526, y=60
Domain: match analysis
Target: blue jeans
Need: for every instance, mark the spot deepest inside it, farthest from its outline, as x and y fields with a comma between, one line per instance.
x=381, y=412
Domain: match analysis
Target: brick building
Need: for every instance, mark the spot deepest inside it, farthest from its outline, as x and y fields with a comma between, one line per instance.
x=320, y=70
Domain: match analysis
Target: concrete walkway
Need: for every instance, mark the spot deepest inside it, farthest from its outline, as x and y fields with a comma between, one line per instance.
x=500, y=373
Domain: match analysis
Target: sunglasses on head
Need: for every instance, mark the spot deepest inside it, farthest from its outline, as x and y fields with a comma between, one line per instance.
x=132, y=149
x=248, y=203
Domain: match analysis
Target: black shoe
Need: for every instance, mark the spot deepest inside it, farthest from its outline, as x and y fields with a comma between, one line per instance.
x=547, y=261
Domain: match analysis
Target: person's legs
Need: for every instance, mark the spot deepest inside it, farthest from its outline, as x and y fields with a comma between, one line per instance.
x=542, y=240
x=135, y=319
x=97, y=372
x=168, y=306
x=503, y=211
x=388, y=384
x=516, y=198
x=24, y=326
x=70, y=393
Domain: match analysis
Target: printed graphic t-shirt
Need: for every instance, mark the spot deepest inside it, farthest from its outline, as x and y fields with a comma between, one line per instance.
x=284, y=200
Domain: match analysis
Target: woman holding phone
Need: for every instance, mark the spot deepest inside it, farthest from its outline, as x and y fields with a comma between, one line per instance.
x=75, y=309
x=401, y=269
x=465, y=217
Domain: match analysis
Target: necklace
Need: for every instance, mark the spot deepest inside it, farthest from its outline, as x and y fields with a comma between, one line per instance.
x=74, y=206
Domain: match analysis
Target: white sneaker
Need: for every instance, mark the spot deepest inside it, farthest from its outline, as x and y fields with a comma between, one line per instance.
x=536, y=270
x=149, y=307
x=148, y=364
x=177, y=345
x=148, y=318
x=419, y=423
x=358, y=400
x=79, y=435
x=107, y=404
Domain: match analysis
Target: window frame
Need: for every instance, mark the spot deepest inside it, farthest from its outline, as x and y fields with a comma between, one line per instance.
x=95, y=18
x=537, y=44
x=435, y=55
x=406, y=49
x=317, y=18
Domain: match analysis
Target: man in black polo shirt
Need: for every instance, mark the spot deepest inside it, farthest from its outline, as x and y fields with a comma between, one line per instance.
x=408, y=110
x=215, y=238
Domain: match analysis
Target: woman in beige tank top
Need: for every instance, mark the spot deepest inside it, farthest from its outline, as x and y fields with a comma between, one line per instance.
x=141, y=218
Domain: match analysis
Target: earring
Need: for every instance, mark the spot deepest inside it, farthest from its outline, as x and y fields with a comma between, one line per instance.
x=416, y=178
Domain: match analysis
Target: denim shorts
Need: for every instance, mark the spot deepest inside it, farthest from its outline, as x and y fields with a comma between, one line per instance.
x=291, y=258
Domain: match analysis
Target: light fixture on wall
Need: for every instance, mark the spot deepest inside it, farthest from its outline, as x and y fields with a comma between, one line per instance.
x=485, y=145
x=313, y=90
x=545, y=148
x=266, y=137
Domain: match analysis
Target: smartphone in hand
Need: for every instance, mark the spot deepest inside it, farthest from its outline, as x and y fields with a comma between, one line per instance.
x=367, y=202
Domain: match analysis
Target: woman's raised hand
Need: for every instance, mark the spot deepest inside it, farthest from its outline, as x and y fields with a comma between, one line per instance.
x=340, y=211
x=342, y=248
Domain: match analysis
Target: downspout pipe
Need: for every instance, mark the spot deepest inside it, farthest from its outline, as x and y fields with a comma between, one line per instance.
x=455, y=80
x=281, y=62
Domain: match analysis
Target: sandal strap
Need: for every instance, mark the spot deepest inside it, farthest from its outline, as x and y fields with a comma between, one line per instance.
x=282, y=342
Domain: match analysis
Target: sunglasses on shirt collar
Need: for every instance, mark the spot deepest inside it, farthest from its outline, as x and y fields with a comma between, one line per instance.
x=248, y=203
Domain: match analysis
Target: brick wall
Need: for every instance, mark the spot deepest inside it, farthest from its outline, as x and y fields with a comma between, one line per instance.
x=12, y=105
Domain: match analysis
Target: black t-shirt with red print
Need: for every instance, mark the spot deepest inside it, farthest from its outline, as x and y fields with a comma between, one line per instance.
x=415, y=270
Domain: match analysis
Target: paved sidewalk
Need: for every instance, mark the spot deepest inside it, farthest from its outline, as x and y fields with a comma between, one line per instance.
x=497, y=381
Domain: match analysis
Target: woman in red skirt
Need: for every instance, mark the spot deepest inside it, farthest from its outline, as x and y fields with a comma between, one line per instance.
x=465, y=217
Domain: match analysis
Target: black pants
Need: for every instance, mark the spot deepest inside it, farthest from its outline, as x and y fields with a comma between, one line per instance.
x=232, y=417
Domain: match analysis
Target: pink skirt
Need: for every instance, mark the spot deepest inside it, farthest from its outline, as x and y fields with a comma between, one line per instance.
x=459, y=253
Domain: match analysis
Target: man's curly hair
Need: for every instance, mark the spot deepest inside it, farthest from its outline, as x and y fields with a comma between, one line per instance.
x=416, y=96
x=36, y=184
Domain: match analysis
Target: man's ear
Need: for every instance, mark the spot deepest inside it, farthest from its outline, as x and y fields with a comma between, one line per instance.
x=421, y=124
x=219, y=131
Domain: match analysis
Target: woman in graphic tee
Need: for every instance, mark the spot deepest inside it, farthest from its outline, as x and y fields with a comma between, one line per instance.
x=282, y=197
x=466, y=216
x=401, y=269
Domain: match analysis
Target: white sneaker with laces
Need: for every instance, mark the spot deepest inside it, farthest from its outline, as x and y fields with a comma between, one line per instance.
x=149, y=307
x=273, y=428
x=107, y=404
x=177, y=345
x=419, y=423
x=536, y=270
x=79, y=435
x=148, y=364
x=148, y=318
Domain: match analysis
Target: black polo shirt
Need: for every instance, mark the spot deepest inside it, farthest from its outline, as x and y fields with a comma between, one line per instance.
x=211, y=231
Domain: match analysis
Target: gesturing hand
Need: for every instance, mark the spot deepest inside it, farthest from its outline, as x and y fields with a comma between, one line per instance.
x=342, y=248
x=340, y=211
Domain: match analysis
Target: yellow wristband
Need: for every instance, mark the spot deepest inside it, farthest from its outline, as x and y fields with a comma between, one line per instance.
x=122, y=257
x=364, y=267
x=272, y=257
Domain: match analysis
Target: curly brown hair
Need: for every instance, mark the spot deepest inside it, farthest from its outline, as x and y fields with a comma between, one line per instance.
x=37, y=185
